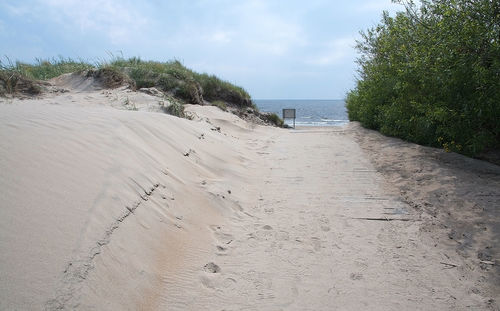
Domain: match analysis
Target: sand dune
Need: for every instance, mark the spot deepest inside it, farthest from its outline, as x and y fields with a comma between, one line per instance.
x=107, y=208
x=74, y=174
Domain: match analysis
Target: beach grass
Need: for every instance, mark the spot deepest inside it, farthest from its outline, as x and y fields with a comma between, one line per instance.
x=220, y=104
x=176, y=109
x=170, y=76
x=274, y=119
x=45, y=69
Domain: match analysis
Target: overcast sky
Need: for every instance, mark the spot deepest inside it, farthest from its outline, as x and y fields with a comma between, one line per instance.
x=275, y=49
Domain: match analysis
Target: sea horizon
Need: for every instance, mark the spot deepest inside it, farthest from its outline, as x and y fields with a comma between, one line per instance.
x=309, y=112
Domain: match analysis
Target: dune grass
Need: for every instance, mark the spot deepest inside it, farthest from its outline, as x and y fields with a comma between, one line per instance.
x=220, y=104
x=175, y=109
x=45, y=69
x=274, y=119
x=173, y=76
x=170, y=76
x=217, y=89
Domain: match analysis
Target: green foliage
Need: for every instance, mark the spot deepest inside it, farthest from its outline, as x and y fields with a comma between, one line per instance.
x=44, y=69
x=274, y=119
x=20, y=77
x=217, y=89
x=12, y=82
x=431, y=75
x=174, y=77
x=175, y=109
x=8, y=81
x=222, y=105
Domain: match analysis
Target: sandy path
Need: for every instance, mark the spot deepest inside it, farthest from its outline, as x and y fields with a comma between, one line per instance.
x=311, y=240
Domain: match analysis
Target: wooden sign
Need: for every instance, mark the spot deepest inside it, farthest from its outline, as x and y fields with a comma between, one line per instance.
x=289, y=114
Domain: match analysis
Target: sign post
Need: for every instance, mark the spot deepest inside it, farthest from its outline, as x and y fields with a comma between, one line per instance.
x=289, y=114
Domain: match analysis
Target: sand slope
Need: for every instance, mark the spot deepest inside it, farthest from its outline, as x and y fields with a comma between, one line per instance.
x=74, y=174
x=111, y=209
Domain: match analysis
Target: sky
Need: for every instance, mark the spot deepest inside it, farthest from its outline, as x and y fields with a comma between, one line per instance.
x=275, y=49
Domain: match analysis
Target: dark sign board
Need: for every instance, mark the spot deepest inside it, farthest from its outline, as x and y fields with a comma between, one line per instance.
x=289, y=114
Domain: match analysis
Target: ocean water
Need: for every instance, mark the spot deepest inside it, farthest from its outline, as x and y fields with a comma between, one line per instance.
x=308, y=112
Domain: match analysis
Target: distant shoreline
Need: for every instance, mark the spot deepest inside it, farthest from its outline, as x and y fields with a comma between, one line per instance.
x=309, y=112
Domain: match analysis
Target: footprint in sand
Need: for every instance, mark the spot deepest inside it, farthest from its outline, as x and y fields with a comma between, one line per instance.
x=207, y=282
x=221, y=250
x=283, y=235
x=211, y=268
x=223, y=237
x=356, y=276
x=229, y=283
x=324, y=223
x=325, y=228
x=266, y=234
x=316, y=244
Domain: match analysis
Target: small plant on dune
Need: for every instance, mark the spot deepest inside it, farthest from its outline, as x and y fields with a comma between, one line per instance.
x=274, y=119
x=12, y=82
x=220, y=104
x=110, y=77
x=7, y=82
x=175, y=108
x=129, y=105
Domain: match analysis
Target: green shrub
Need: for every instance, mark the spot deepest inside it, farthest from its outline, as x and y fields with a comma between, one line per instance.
x=430, y=75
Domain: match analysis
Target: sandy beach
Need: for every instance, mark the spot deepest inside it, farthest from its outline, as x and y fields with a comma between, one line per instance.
x=109, y=204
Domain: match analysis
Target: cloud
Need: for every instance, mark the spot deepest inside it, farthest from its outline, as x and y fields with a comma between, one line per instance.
x=250, y=29
x=118, y=20
x=252, y=25
x=219, y=36
x=256, y=41
x=267, y=31
x=18, y=9
x=334, y=52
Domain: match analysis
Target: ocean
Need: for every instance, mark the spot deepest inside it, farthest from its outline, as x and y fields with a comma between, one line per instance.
x=308, y=112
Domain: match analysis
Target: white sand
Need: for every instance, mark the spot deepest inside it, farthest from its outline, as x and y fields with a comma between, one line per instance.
x=109, y=209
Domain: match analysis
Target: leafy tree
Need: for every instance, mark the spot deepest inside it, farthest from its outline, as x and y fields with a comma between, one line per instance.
x=431, y=75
